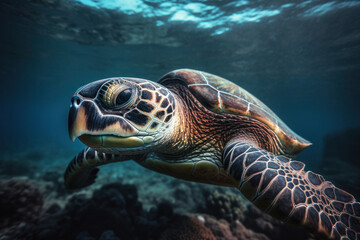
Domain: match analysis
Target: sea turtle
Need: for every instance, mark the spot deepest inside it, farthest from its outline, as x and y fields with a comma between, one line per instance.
x=200, y=127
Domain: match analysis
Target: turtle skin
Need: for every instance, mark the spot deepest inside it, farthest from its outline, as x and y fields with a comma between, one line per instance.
x=261, y=166
x=282, y=188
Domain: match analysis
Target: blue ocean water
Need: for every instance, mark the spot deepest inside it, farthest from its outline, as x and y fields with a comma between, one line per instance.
x=302, y=59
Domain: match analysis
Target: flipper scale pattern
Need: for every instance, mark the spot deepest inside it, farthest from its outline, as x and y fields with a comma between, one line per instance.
x=82, y=171
x=282, y=188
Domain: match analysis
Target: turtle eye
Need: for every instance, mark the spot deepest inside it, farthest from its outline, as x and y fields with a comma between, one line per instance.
x=117, y=96
x=123, y=97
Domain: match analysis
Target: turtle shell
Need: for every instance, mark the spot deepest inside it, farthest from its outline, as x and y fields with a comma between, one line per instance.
x=222, y=96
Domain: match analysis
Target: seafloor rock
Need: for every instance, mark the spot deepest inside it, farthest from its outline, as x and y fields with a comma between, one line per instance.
x=114, y=206
x=220, y=228
x=223, y=230
x=106, y=235
x=241, y=232
x=226, y=206
x=187, y=228
x=261, y=222
x=203, y=226
x=56, y=177
x=20, y=202
x=188, y=196
x=113, y=212
x=14, y=166
x=340, y=163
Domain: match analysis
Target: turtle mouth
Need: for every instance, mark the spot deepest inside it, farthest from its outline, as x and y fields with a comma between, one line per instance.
x=110, y=141
x=90, y=125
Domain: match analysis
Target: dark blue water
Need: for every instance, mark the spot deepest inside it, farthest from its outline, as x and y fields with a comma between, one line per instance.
x=301, y=59
x=306, y=69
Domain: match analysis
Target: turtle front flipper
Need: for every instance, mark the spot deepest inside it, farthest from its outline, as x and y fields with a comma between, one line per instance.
x=82, y=171
x=283, y=189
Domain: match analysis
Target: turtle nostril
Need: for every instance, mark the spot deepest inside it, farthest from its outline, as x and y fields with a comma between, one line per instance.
x=75, y=101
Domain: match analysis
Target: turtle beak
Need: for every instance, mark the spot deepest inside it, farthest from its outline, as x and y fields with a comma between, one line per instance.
x=77, y=118
x=88, y=123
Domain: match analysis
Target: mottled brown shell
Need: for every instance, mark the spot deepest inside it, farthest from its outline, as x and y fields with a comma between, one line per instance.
x=222, y=96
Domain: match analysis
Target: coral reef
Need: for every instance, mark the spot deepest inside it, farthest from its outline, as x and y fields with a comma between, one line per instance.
x=112, y=207
x=188, y=195
x=220, y=205
x=152, y=207
x=114, y=212
x=230, y=231
x=260, y=222
x=241, y=232
x=20, y=202
x=186, y=228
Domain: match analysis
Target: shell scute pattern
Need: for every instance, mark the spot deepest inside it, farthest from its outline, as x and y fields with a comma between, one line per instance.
x=230, y=88
x=204, y=91
x=222, y=96
x=231, y=104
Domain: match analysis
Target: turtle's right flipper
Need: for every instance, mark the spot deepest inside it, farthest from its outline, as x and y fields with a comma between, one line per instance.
x=283, y=189
x=82, y=171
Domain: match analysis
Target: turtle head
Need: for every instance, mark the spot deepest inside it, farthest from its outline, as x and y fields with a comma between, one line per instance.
x=121, y=115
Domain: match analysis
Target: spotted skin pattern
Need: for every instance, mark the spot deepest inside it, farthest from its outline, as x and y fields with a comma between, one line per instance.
x=282, y=188
x=149, y=114
x=154, y=107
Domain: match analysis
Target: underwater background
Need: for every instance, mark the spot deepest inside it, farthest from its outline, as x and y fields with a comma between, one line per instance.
x=301, y=58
